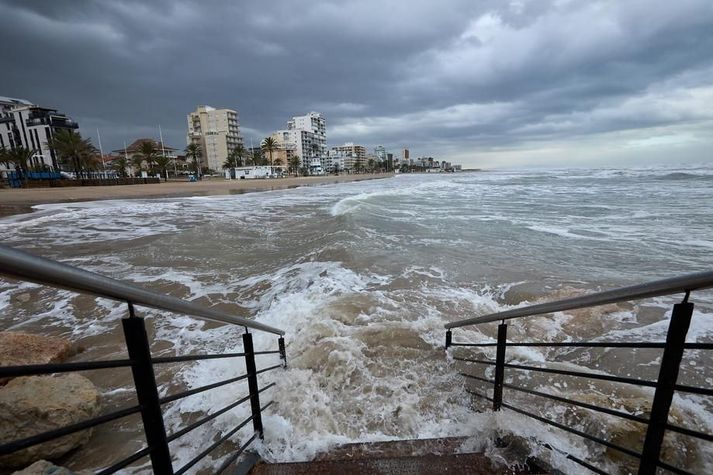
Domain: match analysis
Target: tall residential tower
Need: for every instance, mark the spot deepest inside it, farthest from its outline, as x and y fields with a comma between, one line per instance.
x=217, y=131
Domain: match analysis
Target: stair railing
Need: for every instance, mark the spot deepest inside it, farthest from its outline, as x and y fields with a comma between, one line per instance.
x=27, y=267
x=649, y=458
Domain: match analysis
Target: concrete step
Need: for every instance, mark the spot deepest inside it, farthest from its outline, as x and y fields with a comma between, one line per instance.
x=423, y=456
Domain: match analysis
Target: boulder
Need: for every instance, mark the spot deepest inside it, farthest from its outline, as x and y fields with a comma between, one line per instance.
x=18, y=348
x=43, y=467
x=36, y=404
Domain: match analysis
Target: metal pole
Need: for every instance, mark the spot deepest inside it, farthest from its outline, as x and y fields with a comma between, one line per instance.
x=252, y=382
x=283, y=354
x=137, y=343
x=163, y=149
x=500, y=366
x=449, y=338
x=668, y=374
x=101, y=151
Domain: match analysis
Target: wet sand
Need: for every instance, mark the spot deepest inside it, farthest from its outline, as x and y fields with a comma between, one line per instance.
x=19, y=201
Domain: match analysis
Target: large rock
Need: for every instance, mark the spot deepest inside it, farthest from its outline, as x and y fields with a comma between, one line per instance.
x=18, y=348
x=37, y=404
x=43, y=467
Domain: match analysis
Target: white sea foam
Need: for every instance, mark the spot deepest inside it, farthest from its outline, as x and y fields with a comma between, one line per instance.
x=364, y=299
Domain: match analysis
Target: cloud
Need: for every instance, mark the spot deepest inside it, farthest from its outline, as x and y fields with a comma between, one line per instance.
x=497, y=83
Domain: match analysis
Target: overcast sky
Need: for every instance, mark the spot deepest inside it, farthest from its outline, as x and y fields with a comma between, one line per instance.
x=485, y=83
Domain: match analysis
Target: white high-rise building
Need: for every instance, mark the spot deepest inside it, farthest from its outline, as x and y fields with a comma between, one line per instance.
x=308, y=135
x=217, y=131
x=23, y=124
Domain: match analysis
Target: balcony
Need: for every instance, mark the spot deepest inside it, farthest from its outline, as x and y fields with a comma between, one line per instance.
x=52, y=122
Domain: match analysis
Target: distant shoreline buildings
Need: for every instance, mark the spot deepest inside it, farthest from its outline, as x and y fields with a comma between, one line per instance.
x=301, y=148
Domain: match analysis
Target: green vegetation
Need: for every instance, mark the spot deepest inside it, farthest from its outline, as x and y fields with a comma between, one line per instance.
x=269, y=145
x=194, y=152
x=74, y=151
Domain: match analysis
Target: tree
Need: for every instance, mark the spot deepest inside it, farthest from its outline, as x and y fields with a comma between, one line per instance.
x=137, y=161
x=236, y=156
x=194, y=152
x=119, y=166
x=357, y=165
x=269, y=144
x=370, y=164
x=258, y=157
x=20, y=157
x=162, y=162
x=294, y=164
x=278, y=162
x=150, y=154
x=73, y=150
x=336, y=169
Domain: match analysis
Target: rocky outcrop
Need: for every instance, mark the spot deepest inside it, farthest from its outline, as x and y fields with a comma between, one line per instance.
x=18, y=348
x=43, y=467
x=36, y=404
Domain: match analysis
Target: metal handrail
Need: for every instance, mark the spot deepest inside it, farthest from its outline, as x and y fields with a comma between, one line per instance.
x=657, y=288
x=28, y=267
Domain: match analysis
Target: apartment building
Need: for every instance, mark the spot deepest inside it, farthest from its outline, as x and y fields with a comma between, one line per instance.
x=217, y=131
x=23, y=124
x=316, y=126
x=351, y=150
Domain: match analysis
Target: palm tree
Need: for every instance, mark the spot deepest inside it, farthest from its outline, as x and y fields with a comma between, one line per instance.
x=236, y=156
x=150, y=154
x=137, y=161
x=162, y=162
x=336, y=169
x=119, y=166
x=269, y=144
x=370, y=164
x=73, y=149
x=258, y=157
x=21, y=157
x=193, y=151
x=295, y=164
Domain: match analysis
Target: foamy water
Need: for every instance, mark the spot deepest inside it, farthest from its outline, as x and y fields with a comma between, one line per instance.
x=363, y=276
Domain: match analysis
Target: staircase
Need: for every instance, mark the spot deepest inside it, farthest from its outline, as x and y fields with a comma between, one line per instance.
x=413, y=457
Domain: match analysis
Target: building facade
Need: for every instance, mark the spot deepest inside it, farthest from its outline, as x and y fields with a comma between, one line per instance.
x=351, y=150
x=304, y=137
x=23, y=124
x=216, y=131
x=314, y=143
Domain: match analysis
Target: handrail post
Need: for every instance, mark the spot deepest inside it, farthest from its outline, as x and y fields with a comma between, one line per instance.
x=449, y=338
x=252, y=382
x=137, y=344
x=668, y=374
x=283, y=354
x=500, y=366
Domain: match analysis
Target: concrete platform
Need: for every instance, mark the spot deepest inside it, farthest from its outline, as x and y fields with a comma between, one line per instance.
x=418, y=457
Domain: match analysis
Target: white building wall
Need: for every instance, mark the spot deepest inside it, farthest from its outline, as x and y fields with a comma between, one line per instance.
x=217, y=131
x=32, y=127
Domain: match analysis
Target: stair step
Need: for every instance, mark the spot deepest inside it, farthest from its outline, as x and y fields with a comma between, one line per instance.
x=476, y=464
x=413, y=457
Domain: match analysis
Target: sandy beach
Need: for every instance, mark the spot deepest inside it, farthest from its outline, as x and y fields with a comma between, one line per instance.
x=18, y=201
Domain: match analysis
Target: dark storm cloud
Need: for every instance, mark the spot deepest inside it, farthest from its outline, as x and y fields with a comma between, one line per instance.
x=446, y=78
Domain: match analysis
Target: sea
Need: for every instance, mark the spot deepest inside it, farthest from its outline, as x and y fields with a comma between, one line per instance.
x=362, y=277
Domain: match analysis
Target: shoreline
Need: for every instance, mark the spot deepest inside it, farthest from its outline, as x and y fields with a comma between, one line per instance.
x=21, y=201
